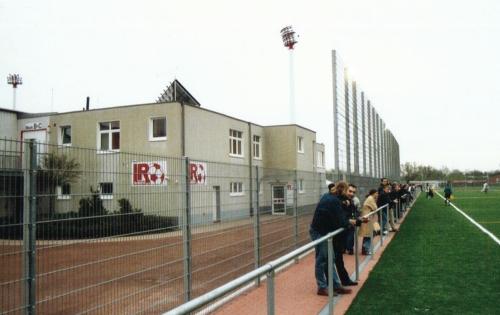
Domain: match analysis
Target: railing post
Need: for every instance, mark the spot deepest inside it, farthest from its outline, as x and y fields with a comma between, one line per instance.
x=186, y=235
x=330, y=275
x=29, y=227
x=381, y=226
x=256, y=225
x=270, y=292
x=356, y=251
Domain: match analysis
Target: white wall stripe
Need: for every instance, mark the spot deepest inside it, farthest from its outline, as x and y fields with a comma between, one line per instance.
x=485, y=231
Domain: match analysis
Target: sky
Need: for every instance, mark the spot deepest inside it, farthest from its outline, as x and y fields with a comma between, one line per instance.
x=430, y=67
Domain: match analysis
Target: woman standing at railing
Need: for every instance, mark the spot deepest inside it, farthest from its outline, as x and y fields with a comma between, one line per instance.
x=366, y=229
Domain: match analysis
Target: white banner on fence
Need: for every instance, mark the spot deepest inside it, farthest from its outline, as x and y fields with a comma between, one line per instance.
x=198, y=173
x=149, y=173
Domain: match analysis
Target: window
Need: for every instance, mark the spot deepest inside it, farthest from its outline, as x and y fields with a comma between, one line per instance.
x=65, y=136
x=301, y=186
x=321, y=159
x=300, y=144
x=235, y=143
x=106, y=190
x=63, y=192
x=256, y=148
x=109, y=136
x=236, y=189
x=158, y=129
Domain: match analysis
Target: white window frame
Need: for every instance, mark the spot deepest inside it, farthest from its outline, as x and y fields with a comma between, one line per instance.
x=236, y=189
x=60, y=195
x=106, y=196
x=257, y=144
x=150, y=127
x=300, y=144
x=300, y=183
x=110, y=140
x=237, y=139
x=321, y=159
x=61, y=138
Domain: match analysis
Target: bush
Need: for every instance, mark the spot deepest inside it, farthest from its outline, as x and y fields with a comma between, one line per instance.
x=126, y=206
x=72, y=226
x=92, y=206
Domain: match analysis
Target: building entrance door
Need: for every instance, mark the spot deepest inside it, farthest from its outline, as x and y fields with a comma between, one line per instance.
x=279, y=202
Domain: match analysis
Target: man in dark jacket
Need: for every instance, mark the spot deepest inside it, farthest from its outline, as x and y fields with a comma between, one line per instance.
x=383, y=199
x=340, y=244
x=327, y=218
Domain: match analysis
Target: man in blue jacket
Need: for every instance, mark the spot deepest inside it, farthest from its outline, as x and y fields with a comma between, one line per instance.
x=328, y=217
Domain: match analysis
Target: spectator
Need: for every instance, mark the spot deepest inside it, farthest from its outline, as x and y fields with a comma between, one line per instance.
x=351, y=212
x=366, y=230
x=383, y=199
x=345, y=193
x=327, y=218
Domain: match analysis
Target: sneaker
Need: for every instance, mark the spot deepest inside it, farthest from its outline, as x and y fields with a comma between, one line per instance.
x=385, y=232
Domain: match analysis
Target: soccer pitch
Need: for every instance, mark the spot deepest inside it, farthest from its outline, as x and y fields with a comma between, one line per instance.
x=483, y=208
x=439, y=263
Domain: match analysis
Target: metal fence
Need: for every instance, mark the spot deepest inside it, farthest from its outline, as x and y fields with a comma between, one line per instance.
x=84, y=231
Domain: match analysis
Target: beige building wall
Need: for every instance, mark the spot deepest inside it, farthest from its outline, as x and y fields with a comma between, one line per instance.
x=117, y=168
x=134, y=127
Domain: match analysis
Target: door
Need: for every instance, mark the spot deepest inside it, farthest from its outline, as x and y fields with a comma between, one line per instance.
x=216, y=204
x=279, y=202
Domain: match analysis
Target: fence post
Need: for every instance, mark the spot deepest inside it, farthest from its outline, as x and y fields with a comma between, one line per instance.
x=330, y=275
x=295, y=214
x=256, y=225
x=270, y=292
x=29, y=227
x=186, y=234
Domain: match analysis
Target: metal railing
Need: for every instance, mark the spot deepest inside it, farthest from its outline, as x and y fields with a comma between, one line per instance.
x=269, y=271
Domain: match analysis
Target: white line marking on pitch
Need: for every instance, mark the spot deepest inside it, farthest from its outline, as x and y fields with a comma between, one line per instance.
x=485, y=231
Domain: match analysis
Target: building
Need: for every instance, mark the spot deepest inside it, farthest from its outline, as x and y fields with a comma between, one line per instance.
x=17, y=125
x=226, y=157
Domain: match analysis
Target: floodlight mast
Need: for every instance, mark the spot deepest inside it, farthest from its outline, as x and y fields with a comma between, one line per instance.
x=14, y=80
x=288, y=37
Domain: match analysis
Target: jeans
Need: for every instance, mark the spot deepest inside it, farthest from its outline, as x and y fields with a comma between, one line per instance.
x=321, y=264
x=384, y=219
x=367, y=242
x=349, y=239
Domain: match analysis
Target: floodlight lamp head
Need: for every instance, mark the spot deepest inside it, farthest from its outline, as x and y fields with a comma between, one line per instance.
x=14, y=80
x=288, y=37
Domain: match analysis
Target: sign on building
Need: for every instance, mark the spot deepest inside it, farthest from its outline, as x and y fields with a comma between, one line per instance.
x=198, y=173
x=149, y=173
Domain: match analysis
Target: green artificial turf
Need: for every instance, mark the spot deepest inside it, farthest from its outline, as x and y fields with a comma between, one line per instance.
x=484, y=208
x=439, y=263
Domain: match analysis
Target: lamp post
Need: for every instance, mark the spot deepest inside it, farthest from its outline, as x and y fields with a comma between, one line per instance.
x=289, y=41
x=14, y=80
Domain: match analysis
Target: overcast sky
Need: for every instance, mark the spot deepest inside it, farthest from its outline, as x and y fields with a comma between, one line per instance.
x=430, y=67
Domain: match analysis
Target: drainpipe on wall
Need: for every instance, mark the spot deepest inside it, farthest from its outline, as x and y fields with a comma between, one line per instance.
x=250, y=164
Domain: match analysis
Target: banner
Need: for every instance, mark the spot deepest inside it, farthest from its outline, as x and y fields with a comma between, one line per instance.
x=149, y=173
